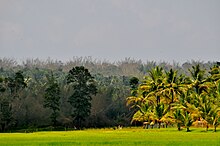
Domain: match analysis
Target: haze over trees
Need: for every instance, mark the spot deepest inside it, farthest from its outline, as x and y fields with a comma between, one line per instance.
x=37, y=94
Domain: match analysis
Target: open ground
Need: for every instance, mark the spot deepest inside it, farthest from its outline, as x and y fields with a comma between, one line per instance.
x=122, y=137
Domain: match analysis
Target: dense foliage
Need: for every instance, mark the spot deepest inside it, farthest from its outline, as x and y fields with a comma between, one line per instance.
x=170, y=97
x=27, y=101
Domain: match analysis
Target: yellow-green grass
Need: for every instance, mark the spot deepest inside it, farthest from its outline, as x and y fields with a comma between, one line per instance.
x=126, y=136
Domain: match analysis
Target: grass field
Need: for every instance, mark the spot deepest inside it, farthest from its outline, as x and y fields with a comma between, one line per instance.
x=126, y=136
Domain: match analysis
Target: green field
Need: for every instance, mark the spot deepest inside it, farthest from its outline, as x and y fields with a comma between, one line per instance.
x=126, y=136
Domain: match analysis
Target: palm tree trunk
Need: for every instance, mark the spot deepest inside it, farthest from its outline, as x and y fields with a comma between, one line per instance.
x=178, y=126
x=215, y=128
x=159, y=123
x=187, y=129
x=158, y=99
x=172, y=98
x=207, y=127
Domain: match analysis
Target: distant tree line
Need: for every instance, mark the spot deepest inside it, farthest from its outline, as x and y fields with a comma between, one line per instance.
x=37, y=94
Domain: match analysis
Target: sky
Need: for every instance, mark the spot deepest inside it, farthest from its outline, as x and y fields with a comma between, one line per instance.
x=150, y=30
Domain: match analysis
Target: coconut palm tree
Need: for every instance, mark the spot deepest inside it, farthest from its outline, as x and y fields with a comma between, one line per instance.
x=198, y=78
x=144, y=114
x=170, y=85
x=160, y=112
x=215, y=119
x=155, y=83
x=148, y=95
x=214, y=92
x=178, y=118
x=187, y=120
x=184, y=113
x=174, y=86
x=205, y=108
x=141, y=104
x=208, y=99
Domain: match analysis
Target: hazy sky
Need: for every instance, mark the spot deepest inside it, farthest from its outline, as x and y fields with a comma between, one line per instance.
x=159, y=30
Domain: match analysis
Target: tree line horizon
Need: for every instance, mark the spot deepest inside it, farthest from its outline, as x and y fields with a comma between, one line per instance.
x=48, y=93
x=36, y=60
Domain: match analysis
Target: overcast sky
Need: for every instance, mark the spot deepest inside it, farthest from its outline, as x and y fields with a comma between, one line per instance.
x=153, y=30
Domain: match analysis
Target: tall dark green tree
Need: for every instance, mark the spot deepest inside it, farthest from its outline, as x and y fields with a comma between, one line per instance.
x=10, y=89
x=52, y=97
x=84, y=87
